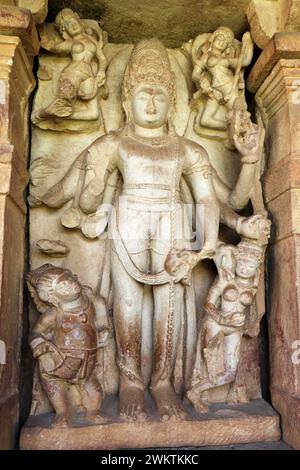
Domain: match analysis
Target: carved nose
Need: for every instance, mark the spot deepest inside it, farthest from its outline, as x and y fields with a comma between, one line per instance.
x=151, y=109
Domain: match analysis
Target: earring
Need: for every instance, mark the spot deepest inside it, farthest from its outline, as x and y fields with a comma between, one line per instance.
x=170, y=123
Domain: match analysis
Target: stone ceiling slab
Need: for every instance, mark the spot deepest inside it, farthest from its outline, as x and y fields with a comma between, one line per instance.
x=173, y=21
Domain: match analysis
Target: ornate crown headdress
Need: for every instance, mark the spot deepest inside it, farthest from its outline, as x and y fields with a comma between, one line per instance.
x=149, y=63
x=246, y=248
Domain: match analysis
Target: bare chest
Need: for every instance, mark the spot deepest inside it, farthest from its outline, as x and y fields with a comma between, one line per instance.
x=140, y=162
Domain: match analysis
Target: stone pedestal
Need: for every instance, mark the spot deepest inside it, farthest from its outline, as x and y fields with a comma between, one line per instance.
x=276, y=80
x=16, y=84
x=223, y=425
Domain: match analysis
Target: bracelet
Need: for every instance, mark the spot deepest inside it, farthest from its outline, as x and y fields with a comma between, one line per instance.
x=249, y=159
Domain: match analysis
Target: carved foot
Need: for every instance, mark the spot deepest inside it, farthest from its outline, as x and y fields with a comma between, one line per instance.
x=168, y=404
x=94, y=417
x=132, y=403
x=61, y=421
x=237, y=395
x=59, y=108
x=195, y=398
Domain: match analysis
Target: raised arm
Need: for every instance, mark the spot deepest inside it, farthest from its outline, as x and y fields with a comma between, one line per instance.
x=246, y=52
x=214, y=294
x=198, y=174
x=248, y=139
x=248, y=48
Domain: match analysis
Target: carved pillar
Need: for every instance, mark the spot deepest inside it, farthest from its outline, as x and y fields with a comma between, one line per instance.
x=270, y=17
x=19, y=43
x=276, y=80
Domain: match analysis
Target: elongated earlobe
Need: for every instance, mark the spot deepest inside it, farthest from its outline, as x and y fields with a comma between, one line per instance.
x=170, y=122
x=126, y=107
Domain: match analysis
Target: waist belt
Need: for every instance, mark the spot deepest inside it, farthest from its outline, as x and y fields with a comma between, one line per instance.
x=161, y=199
x=145, y=278
x=164, y=187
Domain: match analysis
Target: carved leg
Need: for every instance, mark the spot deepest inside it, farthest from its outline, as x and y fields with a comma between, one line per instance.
x=57, y=392
x=128, y=306
x=132, y=400
x=58, y=108
x=75, y=397
x=209, y=116
x=212, y=358
x=232, y=347
x=237, y=394
x=62, y=106
x=214, y=338
x=169, y=405
x=92, y=400
x=195, y=397
x=231, y=357
x=168, y=308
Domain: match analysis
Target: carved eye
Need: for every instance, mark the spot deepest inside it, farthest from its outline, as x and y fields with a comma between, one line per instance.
x=142, y=97
x=160, y=98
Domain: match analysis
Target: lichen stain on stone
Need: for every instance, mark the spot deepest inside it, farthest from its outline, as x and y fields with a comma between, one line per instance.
x=172, y=21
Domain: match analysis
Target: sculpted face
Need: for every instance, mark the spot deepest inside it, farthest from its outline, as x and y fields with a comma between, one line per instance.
x=67, y=287
x=72, y=25
x=220, y=42
x=246, y=267
x=150, y=105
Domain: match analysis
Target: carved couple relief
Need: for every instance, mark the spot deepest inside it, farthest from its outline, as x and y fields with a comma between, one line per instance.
x=78, y=69
x=219, y=61
x=138, y=214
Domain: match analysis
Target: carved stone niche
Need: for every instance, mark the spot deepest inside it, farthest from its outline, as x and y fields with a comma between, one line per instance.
x=140, y=157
